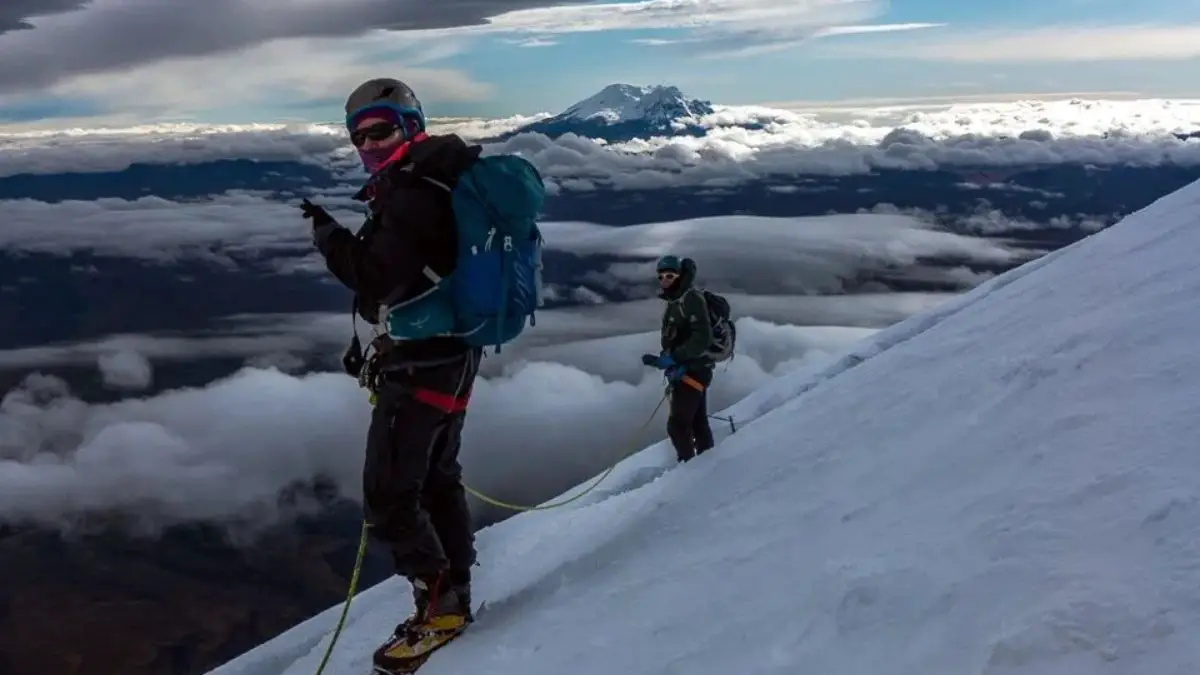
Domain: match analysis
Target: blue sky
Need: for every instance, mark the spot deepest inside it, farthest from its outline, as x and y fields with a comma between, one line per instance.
x=543, y=59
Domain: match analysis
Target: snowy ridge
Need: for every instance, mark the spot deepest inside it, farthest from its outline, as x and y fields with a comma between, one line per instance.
x=1004, y=485
x=657, y=105
x=622, y=112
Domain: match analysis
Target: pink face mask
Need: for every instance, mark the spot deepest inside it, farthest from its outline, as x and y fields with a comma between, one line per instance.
x=376, y=156
x=375, y=159
x=378, y=159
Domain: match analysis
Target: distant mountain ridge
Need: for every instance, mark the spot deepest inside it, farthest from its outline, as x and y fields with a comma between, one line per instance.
x=622, y=112
x=619, y=103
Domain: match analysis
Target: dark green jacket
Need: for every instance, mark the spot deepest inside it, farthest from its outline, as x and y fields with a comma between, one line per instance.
x=686, y=332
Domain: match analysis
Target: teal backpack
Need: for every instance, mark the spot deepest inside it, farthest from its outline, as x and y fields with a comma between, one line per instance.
x=497, y=283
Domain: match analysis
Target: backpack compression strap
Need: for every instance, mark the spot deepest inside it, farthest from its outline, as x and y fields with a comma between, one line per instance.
x=395, y=294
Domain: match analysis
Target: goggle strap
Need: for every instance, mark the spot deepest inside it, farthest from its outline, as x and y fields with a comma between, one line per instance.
x=399, y=110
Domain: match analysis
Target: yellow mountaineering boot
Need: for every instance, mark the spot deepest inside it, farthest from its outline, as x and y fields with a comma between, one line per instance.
x=443, y=612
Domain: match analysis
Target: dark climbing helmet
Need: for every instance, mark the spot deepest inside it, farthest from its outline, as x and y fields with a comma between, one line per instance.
x=668, y=263
x=386, y=93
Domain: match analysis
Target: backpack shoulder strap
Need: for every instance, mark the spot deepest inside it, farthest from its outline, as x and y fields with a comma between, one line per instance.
x=412, y=178
x=437, y=183
x=679, y=299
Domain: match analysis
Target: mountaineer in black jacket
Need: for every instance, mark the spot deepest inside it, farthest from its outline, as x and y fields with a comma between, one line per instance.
x=686, y=337
x=412, y=480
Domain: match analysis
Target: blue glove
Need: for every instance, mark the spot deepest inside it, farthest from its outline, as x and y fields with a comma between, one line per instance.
x=663, y=361
x=675, y=373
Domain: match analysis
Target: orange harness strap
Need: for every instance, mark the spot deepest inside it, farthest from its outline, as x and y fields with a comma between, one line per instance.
x=692, y=382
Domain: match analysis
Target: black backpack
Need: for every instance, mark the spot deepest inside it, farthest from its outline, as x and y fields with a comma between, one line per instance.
x=723, y=329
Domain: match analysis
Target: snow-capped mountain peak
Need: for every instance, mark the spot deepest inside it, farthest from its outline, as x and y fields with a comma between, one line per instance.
x=619, y=103
x=623, y=112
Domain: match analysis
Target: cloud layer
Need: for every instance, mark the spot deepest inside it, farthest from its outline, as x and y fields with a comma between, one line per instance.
x=744, y=254
x=223, y=452
x=782, y=144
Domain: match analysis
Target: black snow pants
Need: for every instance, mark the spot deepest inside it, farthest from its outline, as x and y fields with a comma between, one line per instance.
x=687, y=424
x=412, y=480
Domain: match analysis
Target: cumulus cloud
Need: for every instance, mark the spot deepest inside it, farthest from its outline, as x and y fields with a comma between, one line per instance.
x=223, y=452
x=779, y=144
x=158, y=229
x=757, y=255
x=125, y=369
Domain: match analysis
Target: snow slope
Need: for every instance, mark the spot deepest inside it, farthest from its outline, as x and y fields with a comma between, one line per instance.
x=1004, y=485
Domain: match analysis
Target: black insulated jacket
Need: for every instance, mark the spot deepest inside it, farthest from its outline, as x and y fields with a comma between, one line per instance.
x=410, y=225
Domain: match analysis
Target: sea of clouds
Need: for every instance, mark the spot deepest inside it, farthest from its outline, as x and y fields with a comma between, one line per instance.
x=560, y=404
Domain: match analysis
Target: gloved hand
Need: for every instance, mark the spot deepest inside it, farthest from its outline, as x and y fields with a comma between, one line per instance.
x=323, y=224
x=675, y=373
x=319, y=215
x=661, y=361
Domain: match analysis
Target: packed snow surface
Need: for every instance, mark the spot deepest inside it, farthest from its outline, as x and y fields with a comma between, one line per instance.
x=1007, y=484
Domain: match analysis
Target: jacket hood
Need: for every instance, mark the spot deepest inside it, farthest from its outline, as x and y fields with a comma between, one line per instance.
x=687, y=276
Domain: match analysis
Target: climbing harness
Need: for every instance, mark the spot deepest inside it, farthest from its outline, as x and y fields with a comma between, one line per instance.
x=695, y=384
x=692, y=382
